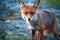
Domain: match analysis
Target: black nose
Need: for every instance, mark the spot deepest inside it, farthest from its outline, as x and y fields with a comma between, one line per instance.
x=29, y=19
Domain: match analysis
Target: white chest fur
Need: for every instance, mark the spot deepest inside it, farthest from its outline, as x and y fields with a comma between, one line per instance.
x=28, y=25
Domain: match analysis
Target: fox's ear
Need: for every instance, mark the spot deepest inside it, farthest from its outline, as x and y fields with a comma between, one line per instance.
x=34, y=6
x=37, y=2
x=21, y=3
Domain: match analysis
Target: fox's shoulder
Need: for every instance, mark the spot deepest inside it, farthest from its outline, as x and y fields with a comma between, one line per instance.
x=45, y=11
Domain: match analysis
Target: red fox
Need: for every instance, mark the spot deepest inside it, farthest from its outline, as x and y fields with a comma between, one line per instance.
x=43, y=22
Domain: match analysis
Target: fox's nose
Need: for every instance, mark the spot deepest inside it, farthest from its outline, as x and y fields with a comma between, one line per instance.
x=29, y=19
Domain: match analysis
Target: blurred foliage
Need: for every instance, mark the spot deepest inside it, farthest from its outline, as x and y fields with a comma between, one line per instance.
x=54, y=2
x=2, y=35
x=17, y=37
x=58, y=20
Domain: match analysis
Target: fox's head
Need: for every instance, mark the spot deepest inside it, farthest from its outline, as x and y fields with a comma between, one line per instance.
x=28, y=11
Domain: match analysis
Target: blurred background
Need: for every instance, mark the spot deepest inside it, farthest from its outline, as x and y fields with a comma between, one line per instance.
x=12, y=26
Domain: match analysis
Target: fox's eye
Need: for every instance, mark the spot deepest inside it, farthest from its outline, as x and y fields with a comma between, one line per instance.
x=26, y=13
x=32, y=13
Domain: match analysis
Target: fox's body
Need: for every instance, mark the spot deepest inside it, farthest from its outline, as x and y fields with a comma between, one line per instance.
x=43, y=22
x=45, y=16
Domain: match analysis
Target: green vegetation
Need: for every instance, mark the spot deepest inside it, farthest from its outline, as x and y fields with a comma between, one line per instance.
x=2, y=35
x=58, y=20
x=17, y=37
x=54, y=2
x=58, y=17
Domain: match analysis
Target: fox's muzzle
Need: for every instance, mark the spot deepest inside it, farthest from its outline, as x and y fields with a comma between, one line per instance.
x=28, y=19
x=33, y=18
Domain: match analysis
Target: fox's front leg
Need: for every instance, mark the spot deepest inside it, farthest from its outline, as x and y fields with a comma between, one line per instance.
x=40, y=35
x=32, y=33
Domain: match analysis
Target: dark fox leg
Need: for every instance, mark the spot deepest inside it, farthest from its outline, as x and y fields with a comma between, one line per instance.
x=55, y=29
x=39, y=35
x=56, y=36
x=32, y=33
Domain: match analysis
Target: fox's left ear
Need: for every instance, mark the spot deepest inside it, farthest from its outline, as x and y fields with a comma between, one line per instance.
x=35, y=6
x=21, y=3
x=36, y=3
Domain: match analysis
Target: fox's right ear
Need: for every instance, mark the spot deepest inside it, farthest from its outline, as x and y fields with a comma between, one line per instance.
x=21, y=3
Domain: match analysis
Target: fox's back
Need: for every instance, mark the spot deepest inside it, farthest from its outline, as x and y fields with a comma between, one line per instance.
x=47, y=17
